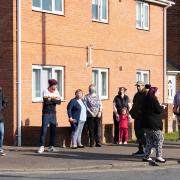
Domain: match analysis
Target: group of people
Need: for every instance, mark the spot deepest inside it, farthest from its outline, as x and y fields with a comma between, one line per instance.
x=79, y=110
x=145, y=109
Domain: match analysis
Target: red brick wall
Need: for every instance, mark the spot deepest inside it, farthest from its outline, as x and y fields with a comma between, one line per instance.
x=54, y=40
x=173, y=34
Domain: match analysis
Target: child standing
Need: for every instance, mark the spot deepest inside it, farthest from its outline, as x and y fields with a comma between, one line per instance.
x=123, y=126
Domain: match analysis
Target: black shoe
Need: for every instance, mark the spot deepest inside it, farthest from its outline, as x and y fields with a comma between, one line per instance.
x=138, y=153
x=81, y=146
x=73, y=147
x=91, y=145
x=98, y=145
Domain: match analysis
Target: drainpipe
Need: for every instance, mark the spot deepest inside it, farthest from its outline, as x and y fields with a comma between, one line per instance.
x=165, y=53
x=19, y=105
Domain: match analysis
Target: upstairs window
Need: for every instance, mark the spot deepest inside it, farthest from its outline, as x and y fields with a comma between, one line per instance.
x=142, y=76
x=50, y=6
x=142, y=15
x=100, y=10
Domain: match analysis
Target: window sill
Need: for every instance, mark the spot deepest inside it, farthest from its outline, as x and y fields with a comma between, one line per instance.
x=49, y=12
x=100, y=21
x=142, y=29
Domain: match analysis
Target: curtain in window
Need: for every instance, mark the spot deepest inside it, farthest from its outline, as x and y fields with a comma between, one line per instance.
x=104, y=9
x=36, y=3
x=47, y=5
x=58, y=77
x=58, y=5
x=36, y=83
x=95, y=9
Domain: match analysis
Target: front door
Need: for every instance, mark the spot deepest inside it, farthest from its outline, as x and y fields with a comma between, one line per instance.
x=171, y=88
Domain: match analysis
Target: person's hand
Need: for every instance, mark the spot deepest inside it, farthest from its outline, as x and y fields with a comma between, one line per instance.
x=93, y=114
x=49, y=99
x=164, y=106
x=58, y=98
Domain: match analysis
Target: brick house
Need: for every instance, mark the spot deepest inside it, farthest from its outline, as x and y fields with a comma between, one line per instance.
x=110, y=43
x=173, y=50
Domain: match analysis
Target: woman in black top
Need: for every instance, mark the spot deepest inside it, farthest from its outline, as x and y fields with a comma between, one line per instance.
x=153, y=125
x=120, y=101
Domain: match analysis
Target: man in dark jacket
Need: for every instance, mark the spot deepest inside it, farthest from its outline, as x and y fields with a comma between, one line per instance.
x=3, y=103
x=136, y=114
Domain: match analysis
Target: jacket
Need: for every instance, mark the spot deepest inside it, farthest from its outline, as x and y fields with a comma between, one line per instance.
x=152, y=114
x=136, y=111
x=74, y=109
x=123, y=121
x=3, y=103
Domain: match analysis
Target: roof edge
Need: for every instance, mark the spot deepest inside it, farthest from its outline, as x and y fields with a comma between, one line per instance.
x=162, y=2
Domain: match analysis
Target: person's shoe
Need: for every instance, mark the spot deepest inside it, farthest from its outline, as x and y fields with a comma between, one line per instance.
x=138, y=153
x=125, y=142
x=160, y=160
x=120, y=142
x=2, y=153
x=147, y=159
x=74, y=147
x=80, y=146
x=52, y=149
x=115, y=143
x=98, y=145
x=40, y=150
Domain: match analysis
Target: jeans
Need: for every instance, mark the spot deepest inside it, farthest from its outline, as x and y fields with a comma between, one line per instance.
x=93, y=127
x=1, y=135
x=77, y=132
x=139, y=132
x=48, y=119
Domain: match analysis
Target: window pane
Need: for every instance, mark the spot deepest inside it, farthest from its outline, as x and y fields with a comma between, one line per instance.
x=36, y=83
x=46, y=75
x=146, y=16
x=146, y=78
x=58, y=5
x=138, y=15
x=47, y=5
x=58, y=77
x=104, y=84
x=36, y=3
x=104, y=9
x=95, y=9
x=95, y=80
x=138, y=76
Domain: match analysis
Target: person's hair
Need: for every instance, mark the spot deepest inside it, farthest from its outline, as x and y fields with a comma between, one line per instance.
x=92, y=85
x=124, y=109
x=152, y=91
x=78, y=90
x=147, y=86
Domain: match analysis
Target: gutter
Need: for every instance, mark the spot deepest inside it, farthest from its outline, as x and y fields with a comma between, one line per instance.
x=162, y=2
x=19, y=80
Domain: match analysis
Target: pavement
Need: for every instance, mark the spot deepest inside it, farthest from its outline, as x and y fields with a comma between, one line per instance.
x=25, y=159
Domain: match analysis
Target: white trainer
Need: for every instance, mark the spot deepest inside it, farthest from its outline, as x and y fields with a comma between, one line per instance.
x=40, y=150
x=52, y=149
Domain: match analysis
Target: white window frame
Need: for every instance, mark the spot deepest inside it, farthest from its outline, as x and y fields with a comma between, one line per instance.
x=53, y=8
x=53, y=68
x=100, y=19
x=143, y=27
x=100, y=82
x=142, y=72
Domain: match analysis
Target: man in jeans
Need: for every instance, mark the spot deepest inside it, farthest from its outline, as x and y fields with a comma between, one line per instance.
x=2, y=106
x=51, y=98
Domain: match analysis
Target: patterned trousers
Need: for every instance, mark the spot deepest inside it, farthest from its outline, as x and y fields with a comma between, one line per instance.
x=154, y=139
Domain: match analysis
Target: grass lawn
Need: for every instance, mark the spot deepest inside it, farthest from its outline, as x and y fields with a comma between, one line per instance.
x=171, y=136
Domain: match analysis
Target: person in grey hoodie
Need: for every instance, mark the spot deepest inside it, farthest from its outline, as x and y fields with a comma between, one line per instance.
x=3, y=103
